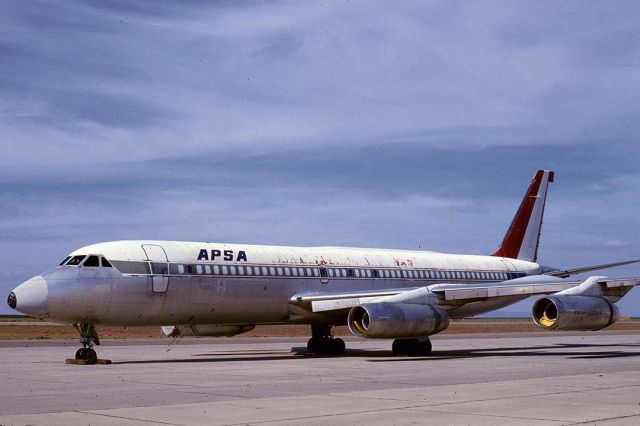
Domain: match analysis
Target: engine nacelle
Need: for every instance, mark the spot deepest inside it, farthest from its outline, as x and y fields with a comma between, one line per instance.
x=574, y=313
x=205, y=330
x=387, y=320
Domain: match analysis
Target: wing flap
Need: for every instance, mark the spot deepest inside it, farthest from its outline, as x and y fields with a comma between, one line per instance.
x=482, y=293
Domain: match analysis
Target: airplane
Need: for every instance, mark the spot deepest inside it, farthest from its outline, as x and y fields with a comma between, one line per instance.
x=218, y=289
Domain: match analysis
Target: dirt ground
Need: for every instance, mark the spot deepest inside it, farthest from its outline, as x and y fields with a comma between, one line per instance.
x=23, y=328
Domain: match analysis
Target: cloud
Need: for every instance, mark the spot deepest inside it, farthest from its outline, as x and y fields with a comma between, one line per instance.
x=173, y=80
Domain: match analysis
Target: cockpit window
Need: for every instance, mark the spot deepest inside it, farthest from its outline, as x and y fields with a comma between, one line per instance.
x=64, y=261
x=92, y=262
x=75, y=260
x=105, y=263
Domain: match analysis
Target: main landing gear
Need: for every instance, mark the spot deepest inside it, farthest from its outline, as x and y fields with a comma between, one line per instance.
x=412, y=347
x=322, y=341
x=88, y=338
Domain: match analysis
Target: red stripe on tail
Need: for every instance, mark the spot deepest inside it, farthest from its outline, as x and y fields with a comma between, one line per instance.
x=512, y=241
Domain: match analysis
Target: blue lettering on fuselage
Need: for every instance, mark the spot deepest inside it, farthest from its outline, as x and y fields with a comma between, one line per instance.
x=226, y=255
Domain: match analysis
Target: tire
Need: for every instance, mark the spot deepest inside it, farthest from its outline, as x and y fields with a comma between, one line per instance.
x=419, y=347
x=338, y=346
x=90, y=356
x=314, y=346
x=400, y=347
x=80, y=353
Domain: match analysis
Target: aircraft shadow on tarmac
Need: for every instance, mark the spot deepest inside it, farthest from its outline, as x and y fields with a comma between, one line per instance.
x=568, y=350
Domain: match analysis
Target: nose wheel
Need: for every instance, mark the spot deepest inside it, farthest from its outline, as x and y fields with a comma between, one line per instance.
x=88, y=338
x=87, y=354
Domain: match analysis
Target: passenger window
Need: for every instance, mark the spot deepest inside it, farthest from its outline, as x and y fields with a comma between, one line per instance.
x=181, y=269
x=272, y=271
x=207, y=269
x=294, y=272
x=216, y=269
x=190, y=269
x=279, y=271
x=225, y=271
x=92, y=262
x=287, y=271
x=105, y=263
x=233, y=270
x=199, y=269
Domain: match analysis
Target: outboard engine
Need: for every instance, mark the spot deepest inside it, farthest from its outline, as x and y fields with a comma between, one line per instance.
x=574, y=312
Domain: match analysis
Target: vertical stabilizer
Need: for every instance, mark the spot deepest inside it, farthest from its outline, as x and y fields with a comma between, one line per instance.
x=523, y=236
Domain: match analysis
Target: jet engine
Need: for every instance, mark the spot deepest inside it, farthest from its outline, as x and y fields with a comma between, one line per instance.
x=386, y=320
x=205, y=330
x=574, y=313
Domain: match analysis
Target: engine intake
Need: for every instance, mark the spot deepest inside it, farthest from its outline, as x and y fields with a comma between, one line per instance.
x=396, y=320
x=212, y=330
x=574, y=313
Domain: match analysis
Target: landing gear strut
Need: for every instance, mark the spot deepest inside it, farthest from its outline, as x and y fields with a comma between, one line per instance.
x=412, y=347
x=88, y=338
x=322, y=341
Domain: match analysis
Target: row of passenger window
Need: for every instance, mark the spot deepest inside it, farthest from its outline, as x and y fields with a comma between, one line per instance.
x=323, y=272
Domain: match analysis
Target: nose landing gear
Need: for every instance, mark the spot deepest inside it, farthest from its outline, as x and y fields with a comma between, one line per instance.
x=88, y=338
x=322, y=341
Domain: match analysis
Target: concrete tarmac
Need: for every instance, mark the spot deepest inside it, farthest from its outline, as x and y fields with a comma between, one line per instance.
x=544, y=378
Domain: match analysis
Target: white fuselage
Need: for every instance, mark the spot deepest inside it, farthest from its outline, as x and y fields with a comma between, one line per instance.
x=169, y=282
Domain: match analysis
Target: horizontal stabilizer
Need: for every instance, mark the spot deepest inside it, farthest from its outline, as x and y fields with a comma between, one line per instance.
x=568, y=272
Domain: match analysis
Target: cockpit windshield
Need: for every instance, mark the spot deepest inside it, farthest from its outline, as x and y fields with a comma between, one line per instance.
x=91, y=261
x=75, y=260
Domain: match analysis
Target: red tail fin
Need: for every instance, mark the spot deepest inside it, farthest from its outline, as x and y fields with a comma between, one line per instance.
x=523, y=236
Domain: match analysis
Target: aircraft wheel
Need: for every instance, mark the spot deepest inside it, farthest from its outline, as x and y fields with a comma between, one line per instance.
x=314, y=345
x=411, y=347
x=338, y=346
x=80, y=353
x=400, y=347
x=90, y=356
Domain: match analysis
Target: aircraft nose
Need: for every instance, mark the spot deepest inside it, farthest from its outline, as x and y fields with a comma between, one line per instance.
x=30, y=297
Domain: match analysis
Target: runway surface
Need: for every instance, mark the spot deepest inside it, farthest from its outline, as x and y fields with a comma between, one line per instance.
x=545, y=379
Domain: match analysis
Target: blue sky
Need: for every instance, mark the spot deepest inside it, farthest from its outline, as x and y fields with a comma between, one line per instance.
x=376, y=124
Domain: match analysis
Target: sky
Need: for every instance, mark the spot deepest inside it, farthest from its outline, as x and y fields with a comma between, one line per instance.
x=411, y=125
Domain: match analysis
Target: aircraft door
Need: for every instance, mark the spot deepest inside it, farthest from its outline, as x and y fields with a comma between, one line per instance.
x=324, y=276
x=158, y=261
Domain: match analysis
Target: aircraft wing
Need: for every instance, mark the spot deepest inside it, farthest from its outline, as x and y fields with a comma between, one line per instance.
x=568, y=272
x=447, y=292
x=318, y=302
